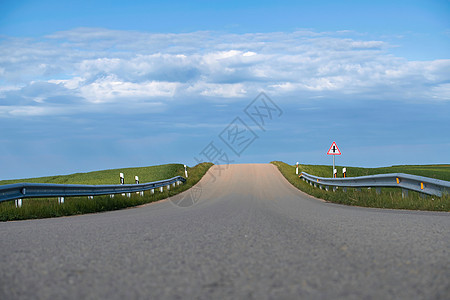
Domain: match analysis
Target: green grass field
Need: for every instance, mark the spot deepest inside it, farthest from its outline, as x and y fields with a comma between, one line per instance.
x=389, y=197
x=146, y=174
x=48, y=207
x=433, y=171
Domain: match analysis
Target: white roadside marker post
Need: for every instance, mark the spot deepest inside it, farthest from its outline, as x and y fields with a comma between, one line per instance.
x=185, y=171
x=122, y=181
x=136, y=179
x=296, y=169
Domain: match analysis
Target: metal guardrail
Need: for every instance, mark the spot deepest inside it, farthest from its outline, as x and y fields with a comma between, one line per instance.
x=43, y=190
x=421, y=184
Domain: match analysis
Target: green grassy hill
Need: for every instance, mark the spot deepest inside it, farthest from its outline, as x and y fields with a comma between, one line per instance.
x=433, y=171
x=146, y=174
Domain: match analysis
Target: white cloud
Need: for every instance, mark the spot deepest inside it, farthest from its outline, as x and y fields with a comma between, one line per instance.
x=100, y=66
x=441, y=91
x=110, y=88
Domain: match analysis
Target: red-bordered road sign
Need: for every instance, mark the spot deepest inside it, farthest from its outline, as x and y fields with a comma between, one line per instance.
x=334, y=150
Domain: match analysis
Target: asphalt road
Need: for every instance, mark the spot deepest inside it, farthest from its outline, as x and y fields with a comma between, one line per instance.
x=249, y=235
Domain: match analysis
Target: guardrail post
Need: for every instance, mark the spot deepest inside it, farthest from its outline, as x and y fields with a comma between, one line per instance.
x=141, y=193
x=320, y=186
x=344, y=189
x=60, y=200
x=111, y=196
x=334, y=188
x=161, y=189
x=18, y=203
x=404, y=193
x=168, y=187
x=129, y=195
x=327, y=188
x=152, y=191
x=90, y=197
x=378, y=190
x=173, y=184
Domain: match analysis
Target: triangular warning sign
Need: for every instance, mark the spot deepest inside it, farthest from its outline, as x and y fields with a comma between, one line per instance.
x=334, y=150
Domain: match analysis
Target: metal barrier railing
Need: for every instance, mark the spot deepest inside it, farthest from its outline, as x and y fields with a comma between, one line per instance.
x=43, y=190
x=429, y=186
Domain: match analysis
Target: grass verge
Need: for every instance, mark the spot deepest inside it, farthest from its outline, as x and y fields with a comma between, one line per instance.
x=389, y=197
x=37, y=208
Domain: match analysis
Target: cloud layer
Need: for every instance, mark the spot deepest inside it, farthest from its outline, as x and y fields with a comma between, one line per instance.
x=96, y=69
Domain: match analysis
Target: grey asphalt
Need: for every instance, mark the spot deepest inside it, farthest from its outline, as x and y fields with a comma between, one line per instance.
x=249, y=235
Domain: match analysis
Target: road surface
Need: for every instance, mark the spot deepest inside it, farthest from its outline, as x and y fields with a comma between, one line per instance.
x=249, y=235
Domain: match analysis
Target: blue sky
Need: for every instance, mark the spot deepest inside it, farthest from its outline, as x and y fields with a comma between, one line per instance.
x=88, y=85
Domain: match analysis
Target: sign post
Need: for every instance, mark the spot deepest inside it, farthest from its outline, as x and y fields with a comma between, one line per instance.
x=334, y=150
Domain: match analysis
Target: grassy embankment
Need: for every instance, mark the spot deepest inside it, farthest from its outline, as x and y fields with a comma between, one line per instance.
x=389, y=197
x=35, y=208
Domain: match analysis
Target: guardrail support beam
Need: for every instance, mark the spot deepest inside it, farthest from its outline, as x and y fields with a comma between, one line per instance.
x=18, y=203
x=404, y=193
